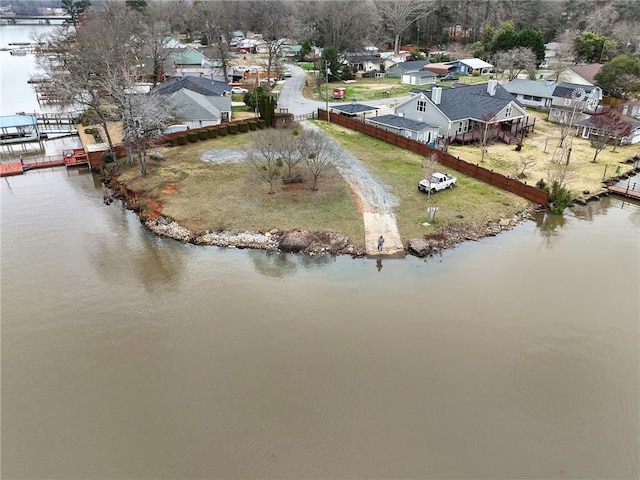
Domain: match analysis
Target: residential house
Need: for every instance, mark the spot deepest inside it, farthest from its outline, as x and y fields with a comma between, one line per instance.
x=424, y=77
x=198, y=101
x=555, y=54
x=440, y=69
x=471, y=66
x=532, y=93
x=197, y=110
x=585, y=129
x=362, y=64
x=353, y=109
x=631, y=107
x=187, y=57
x=202, y=85
x=457, y=110
x=406, y=127
x=400, y=68
x=572, y=102
x=579, y=74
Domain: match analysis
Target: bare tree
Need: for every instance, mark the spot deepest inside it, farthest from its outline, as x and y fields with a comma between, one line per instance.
x=215, y=20
x=320, y=155
x=515, y=61
x=338, y=25
x=81, y=69
x=144, y=115
x=526, y=161
x=399, y=14
x=487, y=129
x=151, y=35
x=275, y=21
x=289, y=145
x=264, y=156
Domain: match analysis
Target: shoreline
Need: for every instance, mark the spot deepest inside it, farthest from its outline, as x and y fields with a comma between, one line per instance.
x=304, y=241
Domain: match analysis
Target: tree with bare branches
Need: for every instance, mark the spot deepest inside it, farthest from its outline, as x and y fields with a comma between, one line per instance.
x=515, y=61
x=319, y=155
x=487, y=129
x=400, y=14
x=264, y=156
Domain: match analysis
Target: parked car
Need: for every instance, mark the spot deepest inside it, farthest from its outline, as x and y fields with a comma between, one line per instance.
x=437, y=182
x=449, y=77
x=287, y=72
x=238, y=90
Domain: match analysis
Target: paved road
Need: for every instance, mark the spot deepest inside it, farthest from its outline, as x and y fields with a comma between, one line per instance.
x=376, y=200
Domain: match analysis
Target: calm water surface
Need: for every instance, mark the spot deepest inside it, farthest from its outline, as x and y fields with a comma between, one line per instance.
x=125, y=355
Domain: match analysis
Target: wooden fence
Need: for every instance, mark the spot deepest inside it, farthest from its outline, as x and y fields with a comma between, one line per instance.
x=512, y=185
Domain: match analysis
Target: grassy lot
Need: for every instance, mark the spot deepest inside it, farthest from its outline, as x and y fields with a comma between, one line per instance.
x=584, y=175
x=374, y=88
x=471, y=202
x=206, y=196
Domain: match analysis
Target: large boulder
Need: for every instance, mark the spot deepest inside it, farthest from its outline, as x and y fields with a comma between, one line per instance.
x=296, y=240
x=419, y=247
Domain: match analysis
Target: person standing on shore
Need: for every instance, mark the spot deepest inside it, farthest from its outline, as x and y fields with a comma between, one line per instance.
x=380, y=243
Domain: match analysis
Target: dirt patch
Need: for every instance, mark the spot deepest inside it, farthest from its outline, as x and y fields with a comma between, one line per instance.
x=170, y=188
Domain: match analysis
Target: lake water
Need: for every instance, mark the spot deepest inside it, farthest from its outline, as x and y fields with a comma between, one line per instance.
x=129, y=356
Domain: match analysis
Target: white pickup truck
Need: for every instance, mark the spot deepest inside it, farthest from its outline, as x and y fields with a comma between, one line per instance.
x=437, y=182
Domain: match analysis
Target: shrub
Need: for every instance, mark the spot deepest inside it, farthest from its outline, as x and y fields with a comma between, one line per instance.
x=253, y=125
x=192, y=136
x=182, y=139
x=213, y=133
x=559, y=198
x=222, y=130
x=203, y=134
x=262, y=123
x=243, y=127
x=233, y=129
x=170, y=142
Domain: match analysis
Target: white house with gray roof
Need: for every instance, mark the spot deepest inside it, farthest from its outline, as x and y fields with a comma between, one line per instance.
x=422, y=77
x=532, y=93
x=456, y=110
x=197, y=110
x=415, y=130
x=400, y=68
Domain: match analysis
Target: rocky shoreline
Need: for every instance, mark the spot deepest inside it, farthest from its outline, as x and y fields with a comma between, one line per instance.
x=308, y=242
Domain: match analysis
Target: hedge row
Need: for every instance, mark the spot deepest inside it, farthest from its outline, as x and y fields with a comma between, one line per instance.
x=217, y=131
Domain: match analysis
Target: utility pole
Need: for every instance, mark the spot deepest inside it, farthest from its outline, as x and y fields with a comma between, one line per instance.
x=326, y=88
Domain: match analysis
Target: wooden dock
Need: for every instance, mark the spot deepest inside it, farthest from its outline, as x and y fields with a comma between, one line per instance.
x=70, y=158
x=631, y=190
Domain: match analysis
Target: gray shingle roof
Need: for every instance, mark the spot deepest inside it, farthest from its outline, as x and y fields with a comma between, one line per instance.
x=471, y=101
x=201, y=85
x=531, y=87
x=422, y=74
x=400, y=122
x=353, y=109
x=413, y=65
x=565, y=90
x=193, y=106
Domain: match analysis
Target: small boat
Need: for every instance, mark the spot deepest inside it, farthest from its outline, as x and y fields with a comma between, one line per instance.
x=17, y=52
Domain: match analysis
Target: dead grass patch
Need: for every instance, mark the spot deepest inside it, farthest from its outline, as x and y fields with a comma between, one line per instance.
x=540, y=145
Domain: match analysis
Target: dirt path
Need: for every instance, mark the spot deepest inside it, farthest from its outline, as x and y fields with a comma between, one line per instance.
x=376, y=201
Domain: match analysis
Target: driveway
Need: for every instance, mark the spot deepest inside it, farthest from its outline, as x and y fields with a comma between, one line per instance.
x=376, y=201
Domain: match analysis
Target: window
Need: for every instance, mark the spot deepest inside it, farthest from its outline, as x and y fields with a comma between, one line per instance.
x=528, y=97
x=508, y=111
x=567, y=101
x=421, y=106
x=537, y=99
